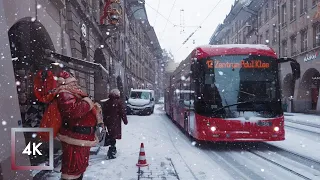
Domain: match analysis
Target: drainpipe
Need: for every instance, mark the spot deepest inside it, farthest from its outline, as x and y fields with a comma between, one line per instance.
x=62, y=34
x=279, y=28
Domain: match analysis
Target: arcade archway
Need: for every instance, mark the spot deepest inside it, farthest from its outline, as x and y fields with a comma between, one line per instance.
x=28, y=42
x=288, y=86
x=101, y=84
x=309, y=90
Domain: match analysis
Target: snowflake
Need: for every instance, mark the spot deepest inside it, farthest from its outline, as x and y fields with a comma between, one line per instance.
x=4, y=123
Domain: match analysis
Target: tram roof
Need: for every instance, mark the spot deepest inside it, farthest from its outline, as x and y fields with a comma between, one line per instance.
x=235, y=49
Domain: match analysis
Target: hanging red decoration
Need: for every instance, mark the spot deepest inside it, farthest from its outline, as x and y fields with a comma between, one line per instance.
x=44, y=83
x=113, y=14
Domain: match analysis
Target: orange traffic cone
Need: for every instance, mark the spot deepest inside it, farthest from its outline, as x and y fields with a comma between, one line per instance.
x=142, y=162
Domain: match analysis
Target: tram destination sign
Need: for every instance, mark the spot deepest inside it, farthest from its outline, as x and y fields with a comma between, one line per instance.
x=251, y=64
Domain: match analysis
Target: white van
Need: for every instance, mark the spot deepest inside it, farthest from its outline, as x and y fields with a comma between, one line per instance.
x=140, y=101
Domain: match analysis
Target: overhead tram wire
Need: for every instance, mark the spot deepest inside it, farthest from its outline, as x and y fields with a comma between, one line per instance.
x=157, y=13
x=199, y=25
x=175, y=25
x=165, y=27
x=161, y=14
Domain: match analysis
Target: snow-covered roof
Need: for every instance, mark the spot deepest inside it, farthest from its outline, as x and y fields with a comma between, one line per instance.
x=235, y=49
x=242, y=46
x=184, y=91
x=142, y=90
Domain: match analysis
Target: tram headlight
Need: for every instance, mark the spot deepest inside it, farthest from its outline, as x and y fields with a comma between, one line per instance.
x=276, y=129
x=213, y=128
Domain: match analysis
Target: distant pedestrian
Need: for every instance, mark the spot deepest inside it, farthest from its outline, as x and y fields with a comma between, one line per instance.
x=113, y=114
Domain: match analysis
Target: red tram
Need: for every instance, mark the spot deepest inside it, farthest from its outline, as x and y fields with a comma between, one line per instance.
x=229, y=93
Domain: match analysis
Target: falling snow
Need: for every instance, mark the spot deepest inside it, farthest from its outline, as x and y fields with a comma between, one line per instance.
x=4, y=123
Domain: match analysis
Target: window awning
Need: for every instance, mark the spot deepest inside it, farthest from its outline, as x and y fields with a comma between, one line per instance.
x=72, y=63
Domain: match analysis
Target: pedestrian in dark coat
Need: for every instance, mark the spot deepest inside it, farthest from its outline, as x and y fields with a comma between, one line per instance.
x=113, y=115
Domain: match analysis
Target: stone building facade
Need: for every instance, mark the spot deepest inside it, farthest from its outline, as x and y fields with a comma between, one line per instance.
x=291, y=28
x=144, y=54
x=36, y=33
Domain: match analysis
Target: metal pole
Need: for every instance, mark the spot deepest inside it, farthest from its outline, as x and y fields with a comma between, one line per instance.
x=279, y=28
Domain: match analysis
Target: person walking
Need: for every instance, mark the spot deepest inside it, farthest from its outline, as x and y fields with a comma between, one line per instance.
x=113, y=111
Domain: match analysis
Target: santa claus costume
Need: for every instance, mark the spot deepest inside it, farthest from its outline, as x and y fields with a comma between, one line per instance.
x=77, y=133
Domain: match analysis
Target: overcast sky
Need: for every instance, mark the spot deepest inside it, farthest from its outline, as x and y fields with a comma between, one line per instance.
x=195, y=13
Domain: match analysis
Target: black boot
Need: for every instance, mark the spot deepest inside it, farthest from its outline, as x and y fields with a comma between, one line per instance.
x=112, y=152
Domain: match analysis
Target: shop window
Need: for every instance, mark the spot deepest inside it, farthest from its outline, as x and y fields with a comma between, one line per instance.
x=316, y=35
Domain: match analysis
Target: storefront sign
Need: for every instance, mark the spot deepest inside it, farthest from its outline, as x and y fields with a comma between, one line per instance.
x=241, y=64
x=310, y=57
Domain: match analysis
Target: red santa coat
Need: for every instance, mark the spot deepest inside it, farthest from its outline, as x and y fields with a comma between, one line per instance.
x=113, y=114
x=76, y=112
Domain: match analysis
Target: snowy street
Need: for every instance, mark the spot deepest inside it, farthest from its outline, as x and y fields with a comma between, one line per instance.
x=172, y=155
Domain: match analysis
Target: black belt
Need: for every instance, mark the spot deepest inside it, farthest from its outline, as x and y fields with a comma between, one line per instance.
x=81, y=129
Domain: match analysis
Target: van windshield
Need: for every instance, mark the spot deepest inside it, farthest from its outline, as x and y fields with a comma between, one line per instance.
x=140, y=95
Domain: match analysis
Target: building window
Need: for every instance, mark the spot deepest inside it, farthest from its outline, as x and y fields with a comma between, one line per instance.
x=285, y=48
x=303, y=6
x=274, y=7
x=260, y=39
x=274, y=34
x=259, y=18
x=266, y=12
x=293, y=10
x=316, y=35
x=284, y=14
x=314, y=2
x=304, y=40
x=244, y=37
x=267, y=37
x=294, y=48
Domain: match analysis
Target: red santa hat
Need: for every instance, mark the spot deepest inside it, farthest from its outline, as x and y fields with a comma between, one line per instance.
x=65, y=78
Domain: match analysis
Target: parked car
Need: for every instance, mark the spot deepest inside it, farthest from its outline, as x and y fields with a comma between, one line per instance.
x=140, y=101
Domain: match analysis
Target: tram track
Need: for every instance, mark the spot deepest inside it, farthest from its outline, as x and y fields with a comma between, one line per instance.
x=303, y=130
x=244, y=163
x=311, y=166
x=303, y=123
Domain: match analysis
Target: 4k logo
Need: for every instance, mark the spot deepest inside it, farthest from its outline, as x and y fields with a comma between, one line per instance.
x=35, y=150
x=18, y=152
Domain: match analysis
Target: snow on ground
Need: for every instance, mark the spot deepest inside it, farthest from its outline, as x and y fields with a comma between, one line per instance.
x=304, y=143
x=170, y=152
x=299, y=117
x=300, y=142
x=162, y=140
